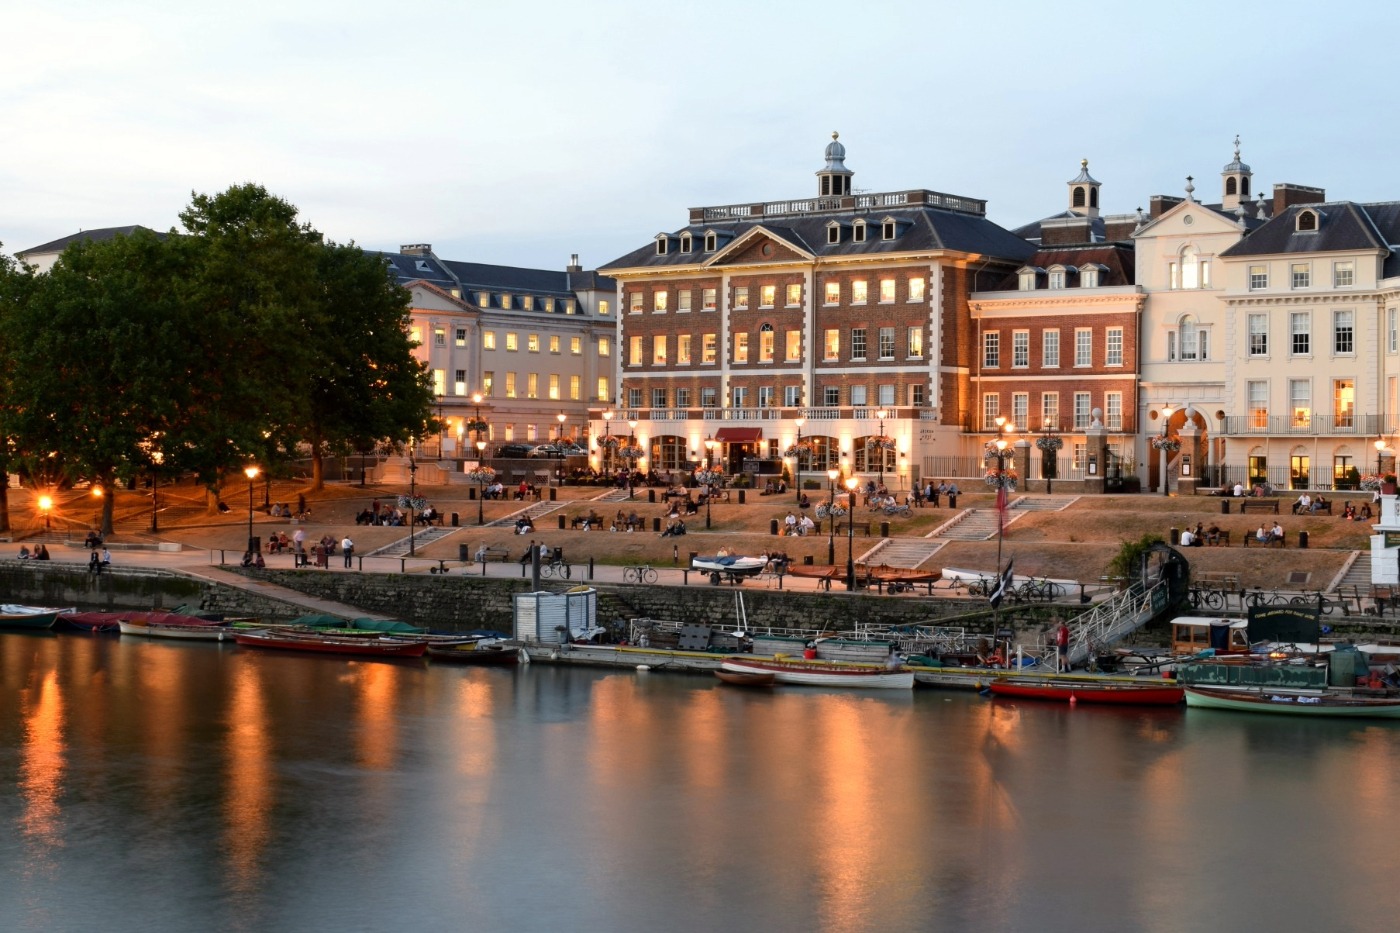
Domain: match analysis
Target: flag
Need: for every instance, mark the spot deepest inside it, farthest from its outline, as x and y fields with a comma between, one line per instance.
x=1003, y=584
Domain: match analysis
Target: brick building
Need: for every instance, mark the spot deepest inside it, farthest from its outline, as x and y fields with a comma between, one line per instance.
x=843, y=316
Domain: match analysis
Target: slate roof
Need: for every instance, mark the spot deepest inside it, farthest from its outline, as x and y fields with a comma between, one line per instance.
x=418, y=269
x=1116, y=257
x=474, y=276
x=922, y=228
x=1031, y=231
x=85, y=236
x=1344, y=225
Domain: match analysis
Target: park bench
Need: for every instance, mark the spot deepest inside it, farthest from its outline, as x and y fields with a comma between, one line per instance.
x=1259, y=505
x=1279, y=541
x=494, y=553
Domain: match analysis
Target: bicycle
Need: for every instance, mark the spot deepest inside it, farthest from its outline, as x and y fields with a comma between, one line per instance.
x=557, y=567
x=1041, y=588
x=1209, y=598
x=643, y=574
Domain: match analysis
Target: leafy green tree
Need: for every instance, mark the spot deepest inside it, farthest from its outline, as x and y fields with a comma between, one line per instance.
x=15, y=285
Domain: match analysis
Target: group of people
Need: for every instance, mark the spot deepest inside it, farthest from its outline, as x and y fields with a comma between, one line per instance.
x=40, y=552
x=98, y=562
x=931, y=493
x=1258, y=489
x=1352, y=514
x=1200, y=537
x=774, y=488
x=1267, y=535
x=1307, y=505
x=798, y=526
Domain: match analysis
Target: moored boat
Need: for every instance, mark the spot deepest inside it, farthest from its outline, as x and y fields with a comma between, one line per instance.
x=747, y=678
x=475, y=652
x=189, y=631
x=822, y=673
x=1146, y=694
x=332, y=644
x=34, y=618
x=1335, y=705
x=108, y=621
x=731, y=567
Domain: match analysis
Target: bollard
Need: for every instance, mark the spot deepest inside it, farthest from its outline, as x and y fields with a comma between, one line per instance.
x=590, y=568
x=884, y=529
x=772, y=526
x=656, y=524
x=462, y=553
x=741, y=497
x=952, y=502
x=471, y=494
x=454, y=520
x=1176, y=536
x=561, y=518
x=1302, y=539
x=553, y=494
x=651, y=495
x=1224, y=506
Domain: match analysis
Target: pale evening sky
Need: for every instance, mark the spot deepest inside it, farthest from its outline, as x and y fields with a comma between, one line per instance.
x=518, y=133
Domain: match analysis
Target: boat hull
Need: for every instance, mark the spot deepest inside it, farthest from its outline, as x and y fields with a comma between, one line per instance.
x=484, y=656
x=1321, y=706
x=28, y=618
x=823, y=673
x=355, y=647
x=746, y=678
x=1111, y=694
x=175, y=630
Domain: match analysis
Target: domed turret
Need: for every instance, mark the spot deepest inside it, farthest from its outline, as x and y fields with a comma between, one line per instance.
x=1084, y=192
x=1235, y=181
x=834, y=178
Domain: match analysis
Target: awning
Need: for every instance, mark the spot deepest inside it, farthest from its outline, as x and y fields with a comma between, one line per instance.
x=738, y=435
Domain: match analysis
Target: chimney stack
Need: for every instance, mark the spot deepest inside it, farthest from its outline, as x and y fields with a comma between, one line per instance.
x=417, y=249
x=573, y=265
x=1286, y=195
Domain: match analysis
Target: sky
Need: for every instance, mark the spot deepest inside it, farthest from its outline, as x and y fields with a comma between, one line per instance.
x=520, y=133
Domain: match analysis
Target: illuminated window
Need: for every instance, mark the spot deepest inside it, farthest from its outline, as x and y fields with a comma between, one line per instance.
x=886, y=291
x=767, y=296
x=765, y=343
x=916, y=288
x=488, y=340
x=741, y=348
x=683, y=348
x=512, y=341
x=794, y=296
x=831, y=344
x=708, y=348
x=916, y=343
x=658, y=350
x=741, y=298
x=833, y=293
x=794, y=346
x=605, y=346
x=859, y=292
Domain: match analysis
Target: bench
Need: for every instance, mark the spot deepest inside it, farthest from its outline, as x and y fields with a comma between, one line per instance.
x=863, y=527
x=1313, y=509
x=1222, y=539
x=595, y=523
x=1280, y=541
x=1259, y=505
x=493, y=553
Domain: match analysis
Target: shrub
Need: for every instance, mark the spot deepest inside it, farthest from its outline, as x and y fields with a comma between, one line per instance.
x=1127, y=563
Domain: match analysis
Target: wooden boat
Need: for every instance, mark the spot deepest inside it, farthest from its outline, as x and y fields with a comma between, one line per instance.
x=33, y=618
x=822, y=673
x=1146, y=694
x=108, y=621
x=1294, y=704
x=747, y=678
x=474, y=652
x=196, y=631
x=332, y=644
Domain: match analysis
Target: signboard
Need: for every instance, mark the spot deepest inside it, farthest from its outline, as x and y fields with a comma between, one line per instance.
x=1275, y=623
x=1392, y=539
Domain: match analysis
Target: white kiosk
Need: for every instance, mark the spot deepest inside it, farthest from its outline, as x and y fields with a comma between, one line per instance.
x=1385, y=544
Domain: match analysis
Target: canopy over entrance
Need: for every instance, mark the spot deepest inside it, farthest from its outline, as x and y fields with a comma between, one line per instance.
x=738, y=435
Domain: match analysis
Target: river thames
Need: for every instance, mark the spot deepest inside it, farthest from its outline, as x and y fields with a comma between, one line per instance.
x=181, y=787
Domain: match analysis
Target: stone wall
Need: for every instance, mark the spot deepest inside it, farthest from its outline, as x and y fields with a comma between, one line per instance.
x=46, y=583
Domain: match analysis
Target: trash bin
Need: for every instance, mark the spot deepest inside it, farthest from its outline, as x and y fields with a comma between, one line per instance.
x=1302, y=539
x=1176, y=536
x=741, y=497
x=455, y=520
x=884, y=529
x=553, y=494
x=471, y=494
x=462, y=553
x=807, y=560
x=772, y=526
x=651, y=495
x=656, y=524
x=254, y=544
x=1224, y=506
x=952, y=501
x=693, y=555
x=561, y=521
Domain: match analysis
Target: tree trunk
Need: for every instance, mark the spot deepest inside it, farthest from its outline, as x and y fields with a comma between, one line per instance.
x=4, y=500
x=108, y=502
x=318, y=466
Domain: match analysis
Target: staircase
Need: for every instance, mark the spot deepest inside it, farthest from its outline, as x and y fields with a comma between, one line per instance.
x=1044, y=503
x=531, y=512
x=907, y=553
x=1114, y=619
x=419, y=539
x=1357, y=574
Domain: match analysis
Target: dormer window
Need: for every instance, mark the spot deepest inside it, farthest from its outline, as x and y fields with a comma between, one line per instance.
x=1307, y=222
x=858, y=232
x=686, y=244
x=711, y=242
x=422, y=265
x=1025, y=278
x=888, y=230
x=1091, y=275
x=483, y=299
x=1056, y=279
x=505, y=302
x=833, y=232
x=663, y=245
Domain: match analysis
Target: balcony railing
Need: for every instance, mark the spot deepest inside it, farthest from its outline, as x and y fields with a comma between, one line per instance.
x=1313, y=426
x=864, y=413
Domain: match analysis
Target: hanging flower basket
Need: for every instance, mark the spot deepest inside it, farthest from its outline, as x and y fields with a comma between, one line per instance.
x=991, y=452
x=830, y=510
x=1370, y=481
x=1169, y=444
x=475, y=426
x=1000, y=478
x=1049, y=443
x=879, y=442
x=709, y=477
x=417, y=503
x=803, y=449
x=608, y=442
x=481, y=474
x=630, y=452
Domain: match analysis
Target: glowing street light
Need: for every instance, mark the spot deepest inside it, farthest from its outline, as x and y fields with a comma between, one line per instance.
x=252, y=473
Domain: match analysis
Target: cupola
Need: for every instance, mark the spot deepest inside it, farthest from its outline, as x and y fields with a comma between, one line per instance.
x=1084, y=192
x=834, y=179
x=1234, y=180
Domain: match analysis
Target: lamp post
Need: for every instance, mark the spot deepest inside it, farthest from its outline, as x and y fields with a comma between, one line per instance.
x=481, y=487
x=1166, y=423
x=1002, y=444
x=631, y=445
x=882, y=414
x=797, y=461
x=851, y=484
x=45, y=504
x=252, y=473
x=412, y=494
x=709, y=478
x=1049, y=460
x=607, y=441
x=831, y=475
x=157, y=457
x=559, y=449
x=1380, y=446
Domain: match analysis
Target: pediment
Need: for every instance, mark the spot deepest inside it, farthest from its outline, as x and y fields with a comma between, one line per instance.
x=760, y=245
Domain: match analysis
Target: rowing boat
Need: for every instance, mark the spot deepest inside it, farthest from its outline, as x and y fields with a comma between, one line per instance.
x=822, y=673
x=332, y=644
x=1295, y=704
x=747, y=678
x=474, y=652
x=1147, y=694
x=188, y=631
x=34, y=618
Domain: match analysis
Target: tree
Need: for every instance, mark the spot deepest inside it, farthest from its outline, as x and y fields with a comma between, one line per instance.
x=15, y=284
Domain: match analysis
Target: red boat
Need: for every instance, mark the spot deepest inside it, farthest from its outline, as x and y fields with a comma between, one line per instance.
x=107, y=621
x=332, y=644
x=747, y=679
x=1147, y=694
x=474, y=653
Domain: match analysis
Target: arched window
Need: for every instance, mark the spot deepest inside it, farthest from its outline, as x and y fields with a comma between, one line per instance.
x=1244, y=186
x=868, y=458
x=1078, y=197
x=1093, y=197
x=1230, y=187
x=1188, y=341
x=1307, y=220
x=669, y=452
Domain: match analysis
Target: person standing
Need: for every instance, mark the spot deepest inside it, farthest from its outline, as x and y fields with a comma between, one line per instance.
x=1062, y=646
x=95, y=563
x=347, y=547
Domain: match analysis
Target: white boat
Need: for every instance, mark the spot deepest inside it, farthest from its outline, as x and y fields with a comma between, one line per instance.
x=1329, y=705
x=175, y=630
x=822, y=673
x=729, y=567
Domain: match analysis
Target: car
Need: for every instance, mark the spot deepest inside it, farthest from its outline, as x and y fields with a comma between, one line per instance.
x=574, y=450
x=547, y=450
x=514, y=450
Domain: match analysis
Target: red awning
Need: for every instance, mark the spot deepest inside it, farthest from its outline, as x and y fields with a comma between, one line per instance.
x=738, y=435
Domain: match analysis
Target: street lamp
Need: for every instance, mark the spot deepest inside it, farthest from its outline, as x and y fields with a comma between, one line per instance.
x=559, y=448
x=1164, y=445
x=252, y=473
x=709, y=478
x=157, y=458
x=607, y=441
x=1380, y=446
x=412, y=495
x=797, y=460
x=831, y=475
x=46, y=503
x=481, y=482
x=882, y=414
x=1049, y=459
x=851, y=484
x=631, y=446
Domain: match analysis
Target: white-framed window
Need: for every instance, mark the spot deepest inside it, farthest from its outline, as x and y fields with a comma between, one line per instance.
x=682, y=398
x=832, y=293
x=991, y=407
x=663, y=244
x=888, y=230
x=767, y=296
x=1392, y=336
x=488, y=340
x=1079, y=451
x=683, y=301
x=634, y=351
x=683, y=349
x=831, y=396
x=884, y=394
x=1113, y=346
x=1258, y=335
x=554, y=343
x=1194, y=271
x=1300, y=333
x=1056, y=279
x=886, y=291
x=576, y=346
x=765, y=343
x=1050, y=410
x=1189, y=342
x=569, y=307
x=708, y=297
x=605, y=346
x=488, y=383
x=859, y=394
x=1344, y=402
x=794, y=295
x=1258, y=278
x=1301, y=274
x=991, y=349
x=887, y=343
x=461, y=337
x=512, y=341
x=439, y=382
x=1083, y=346
x=711, y=242
x=1343, y=332
x=1300, y=402
x=1089, y=277
x=739, y=396
x=554, y=386
x=794, y=346
x=741, y=298
x=1025, y=280
x=603, y=309
x=765, y=396
x=831, y=344
x=858, y=232
x=1257, y=403
x=916, y=394
x=636, y=300
x=792, y=396
x=916, y=288
x=709, y=397
x=1113, y=411
x=833, y=233
x=1020, y=409
x=857, y=343
x=741, y=348
x=459, y=383
x=532, y=343
x=1343, y=274
x=1081, y=410
x=575, y=388
x=510, y=385
x=1050, y=348
x=687, y=243
x=916, y=343
x=1020, y=352
x=483, y=299
x=709, y=348
x=532, y=385
x=439, y=336
x=860, y=292
x=1306, y=222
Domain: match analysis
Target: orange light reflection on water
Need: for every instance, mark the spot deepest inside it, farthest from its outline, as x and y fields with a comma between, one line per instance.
x=248, y=803
x=42, y=765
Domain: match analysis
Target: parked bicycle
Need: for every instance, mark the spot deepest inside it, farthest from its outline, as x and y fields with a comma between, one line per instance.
x=556, y=567
x=1039, y=588
x=643, y=574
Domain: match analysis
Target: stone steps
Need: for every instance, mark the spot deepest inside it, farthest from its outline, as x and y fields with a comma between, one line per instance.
x=418, y=539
